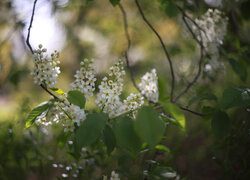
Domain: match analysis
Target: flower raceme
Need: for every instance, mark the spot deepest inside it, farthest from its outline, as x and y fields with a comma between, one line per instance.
x=110, y=89
x=62, y=112
x=85, y=79
x=108, y=98
x=46, y=68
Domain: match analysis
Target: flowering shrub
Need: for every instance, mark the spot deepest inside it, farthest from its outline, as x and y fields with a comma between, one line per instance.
x=134, y=125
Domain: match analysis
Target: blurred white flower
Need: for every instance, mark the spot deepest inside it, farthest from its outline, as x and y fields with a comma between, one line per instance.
x=149, y=86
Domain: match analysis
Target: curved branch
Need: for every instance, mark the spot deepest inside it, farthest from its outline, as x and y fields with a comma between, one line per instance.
x=163, y=46
x=125, y=22
x=202, y=49
x=30, y=26
x=31, y=49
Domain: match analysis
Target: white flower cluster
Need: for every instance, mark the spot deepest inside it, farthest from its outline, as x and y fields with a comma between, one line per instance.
x=85, y=79
x=132, y=103
x=110, y=89
x=114, y=176
x=46, y=68
x=214, y=29
x=149, y=86
x=62, y=112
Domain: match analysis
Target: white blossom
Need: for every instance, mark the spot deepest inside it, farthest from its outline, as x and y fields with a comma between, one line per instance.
x=114, y=176
x=214, y=28
x=85, y=79
x=108, y=98
x=110, y=89
x=64, y=113
x=46, y=68
x=149, y=86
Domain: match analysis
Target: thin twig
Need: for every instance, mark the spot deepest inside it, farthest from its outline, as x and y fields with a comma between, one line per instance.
x=163, y=46
x=30, y=47
x=125, y=22
x=202, y=49
x=193, y=21
x=30, y=26
x=193, y=112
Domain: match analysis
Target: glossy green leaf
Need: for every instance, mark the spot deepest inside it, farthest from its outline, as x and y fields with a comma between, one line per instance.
x=176, y=112
x=37, y=111
x=109, y=138
x=114, y=2
x=59, y=91
x=238, y=68
x=125, y=135
x=208, y=96
x=91, y=129
x=76, y=98
x=235, y=97
x=149, y=126
x=220, y=124
x=162, y=148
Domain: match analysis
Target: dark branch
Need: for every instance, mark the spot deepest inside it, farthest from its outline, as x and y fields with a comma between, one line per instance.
x=125, y=22
x=193, y=112
x=163, y=46
x=193, y=21
x=30, y=26
x=202, y=49
x=30, y=47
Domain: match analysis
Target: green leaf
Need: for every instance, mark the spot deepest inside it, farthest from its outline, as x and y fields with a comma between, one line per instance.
x=59, y=91
x=162, y=88
x=176, y=112
x=220, y=124
x=235, y=97
x=114, y=2
x=169, y=7
x=209, y=111
x=76, y=98
x=109, y=139
x=208, y=96
x=162, y=148
x=37, y=111
x=149, y=126
x=171, y=120
x=125, y=135
x=238, y=68
x=91, y=129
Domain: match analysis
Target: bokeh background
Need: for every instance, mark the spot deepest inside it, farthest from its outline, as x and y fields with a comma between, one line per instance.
x=79, y=30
